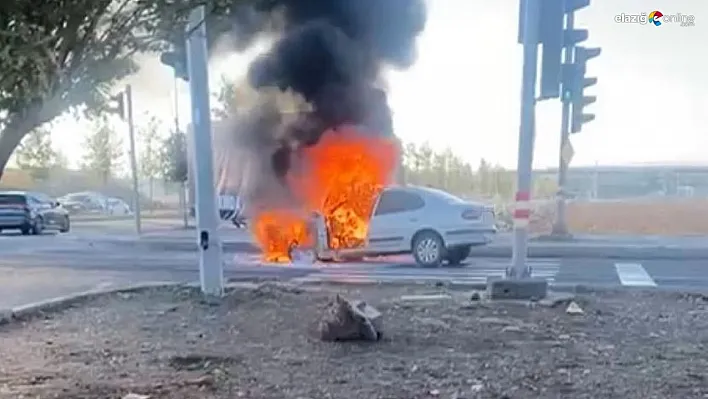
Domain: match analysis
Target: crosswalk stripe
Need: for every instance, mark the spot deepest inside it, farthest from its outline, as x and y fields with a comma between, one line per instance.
x=634, y=275
x=468, y=272
x=407, y=279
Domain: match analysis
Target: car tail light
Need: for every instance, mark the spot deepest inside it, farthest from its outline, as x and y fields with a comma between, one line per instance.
x=471, y=214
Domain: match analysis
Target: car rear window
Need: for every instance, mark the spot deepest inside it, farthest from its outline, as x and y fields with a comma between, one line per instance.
x=77, y=198
x=445, y=196
x=12, y=199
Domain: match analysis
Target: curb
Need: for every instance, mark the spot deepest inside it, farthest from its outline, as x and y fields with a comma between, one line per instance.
x=454, y=285
x=57, y=303
x=534, y=251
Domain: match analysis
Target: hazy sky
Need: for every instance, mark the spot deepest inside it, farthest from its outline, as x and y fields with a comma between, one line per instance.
x=464, y=90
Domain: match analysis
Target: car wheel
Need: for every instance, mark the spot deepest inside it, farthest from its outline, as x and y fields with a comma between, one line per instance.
x=38, y=227
x=428, y=249
x=456, y=255
x=66, y=226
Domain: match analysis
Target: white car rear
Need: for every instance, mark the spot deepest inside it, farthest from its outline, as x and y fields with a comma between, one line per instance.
x=433, y=225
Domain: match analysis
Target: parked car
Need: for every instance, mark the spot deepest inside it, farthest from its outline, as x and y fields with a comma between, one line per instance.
x=32, y=213
x=433, y=225
x=84, y=202
x=117, y=206
x=231, y=208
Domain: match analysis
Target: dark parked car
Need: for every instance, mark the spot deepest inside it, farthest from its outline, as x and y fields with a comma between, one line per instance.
x=32, y=213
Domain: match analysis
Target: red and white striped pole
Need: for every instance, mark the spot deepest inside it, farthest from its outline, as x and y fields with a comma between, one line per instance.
x=522, y=210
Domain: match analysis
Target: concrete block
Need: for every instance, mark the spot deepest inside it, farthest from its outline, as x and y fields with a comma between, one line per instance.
x=522, y=289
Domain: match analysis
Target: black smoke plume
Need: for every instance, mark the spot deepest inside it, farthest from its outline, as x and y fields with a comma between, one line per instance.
x=331, y=53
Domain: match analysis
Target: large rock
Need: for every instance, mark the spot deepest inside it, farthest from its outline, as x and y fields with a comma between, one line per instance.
x=347, y=320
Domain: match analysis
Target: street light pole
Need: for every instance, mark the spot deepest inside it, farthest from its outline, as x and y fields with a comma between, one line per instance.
x=210, y=251
x=133, y=158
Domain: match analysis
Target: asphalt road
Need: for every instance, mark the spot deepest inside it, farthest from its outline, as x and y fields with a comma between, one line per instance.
x=34, y=268
x=40, y=273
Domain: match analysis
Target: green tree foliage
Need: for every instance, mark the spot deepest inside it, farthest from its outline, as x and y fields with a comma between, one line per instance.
x=173, y=157
x=150, y=163
x=447, y=171
x=104, y=151
x=150, y=140
x=57, y=56
x=36, y=154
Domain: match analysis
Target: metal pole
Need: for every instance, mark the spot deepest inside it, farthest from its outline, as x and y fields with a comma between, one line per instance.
x=560, y=228
x=182, y=188
x=133, y=158
x=210, y=251
x=519, y=267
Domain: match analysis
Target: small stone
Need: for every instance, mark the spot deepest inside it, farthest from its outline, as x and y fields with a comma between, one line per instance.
x=136, y=396
x=564, y=337
x=477, y=388
x=574, y=309
x=434, y=392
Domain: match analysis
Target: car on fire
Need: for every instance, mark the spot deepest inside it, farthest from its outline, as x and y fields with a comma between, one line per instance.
x=434, y=226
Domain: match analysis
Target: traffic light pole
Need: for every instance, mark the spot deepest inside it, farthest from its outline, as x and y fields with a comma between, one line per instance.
x=518, y=282
x=560, y=227
x=133, y=158
x=210, y=251
x=519, y=268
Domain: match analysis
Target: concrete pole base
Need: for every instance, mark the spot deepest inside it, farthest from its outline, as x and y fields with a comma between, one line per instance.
x=517, y=289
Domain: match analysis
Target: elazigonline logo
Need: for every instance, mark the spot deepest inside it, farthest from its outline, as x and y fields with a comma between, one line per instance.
x=656, y=18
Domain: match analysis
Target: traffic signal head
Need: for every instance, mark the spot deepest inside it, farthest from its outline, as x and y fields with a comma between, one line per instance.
x=575, y=5
x=554, y=36
x=574, y=84
x=177, y=60
x=118, y=105
x=584, y=54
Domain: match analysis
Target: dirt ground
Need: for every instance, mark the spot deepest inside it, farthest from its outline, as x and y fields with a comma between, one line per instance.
x=259, y=344
x=675, y=218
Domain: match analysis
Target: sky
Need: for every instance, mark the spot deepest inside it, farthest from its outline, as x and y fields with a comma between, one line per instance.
x=464, y=90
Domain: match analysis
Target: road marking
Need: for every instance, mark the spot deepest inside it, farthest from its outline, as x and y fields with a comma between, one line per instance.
x=634, y=275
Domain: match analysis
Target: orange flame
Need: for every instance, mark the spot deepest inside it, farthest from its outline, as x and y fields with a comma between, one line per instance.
x=340, y=178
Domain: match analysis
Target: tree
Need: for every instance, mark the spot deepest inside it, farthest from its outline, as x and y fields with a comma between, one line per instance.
x=173, y=158
x=104, y=151
x=150, y=163
x=36, y=155
x=53, y=61
x=231, y=96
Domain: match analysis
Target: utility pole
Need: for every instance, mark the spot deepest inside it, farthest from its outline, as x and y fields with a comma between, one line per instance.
x=133, y=158
x=124, y=109
x=210, y=251
x=560, y=227
x=182, y=186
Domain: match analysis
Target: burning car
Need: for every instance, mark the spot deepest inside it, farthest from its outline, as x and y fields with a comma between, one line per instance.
x=432, y=225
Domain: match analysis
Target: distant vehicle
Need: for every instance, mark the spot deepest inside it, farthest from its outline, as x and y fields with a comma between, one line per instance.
x=433, y=225
x=32, y=213
x=231, y=209
x=117, y=206
x=84, y=202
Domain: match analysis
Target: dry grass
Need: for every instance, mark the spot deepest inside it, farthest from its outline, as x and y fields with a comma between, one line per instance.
x=678, y=217
x=167, y=344
x=646, y=217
